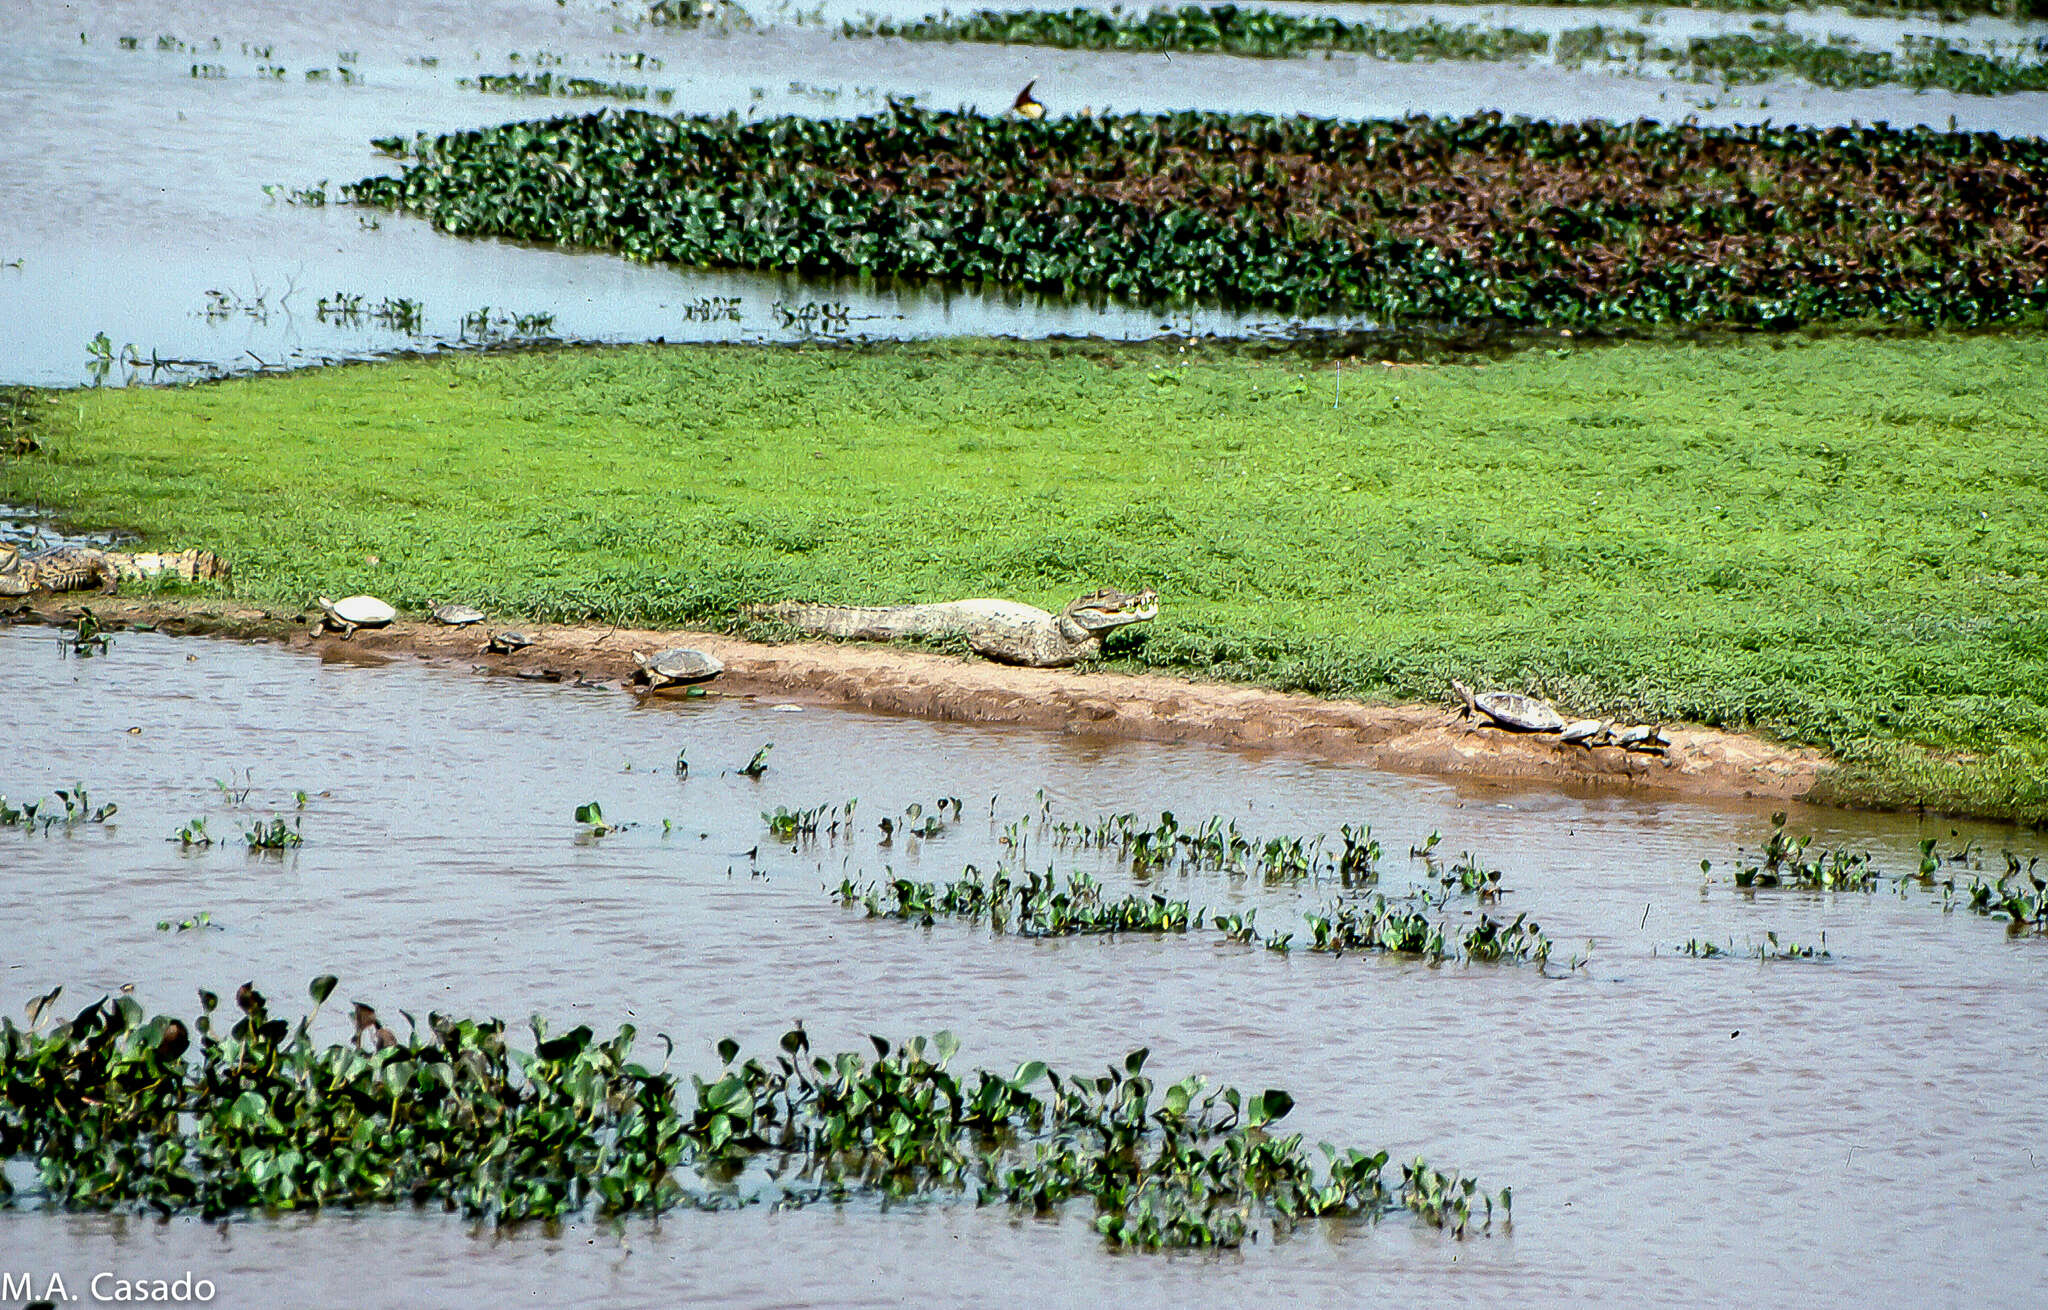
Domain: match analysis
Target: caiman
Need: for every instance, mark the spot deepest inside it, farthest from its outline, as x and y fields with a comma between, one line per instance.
x=75, y=568
x=1002, y=630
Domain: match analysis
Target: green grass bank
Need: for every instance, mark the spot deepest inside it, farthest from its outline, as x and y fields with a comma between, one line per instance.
x=1833, y=541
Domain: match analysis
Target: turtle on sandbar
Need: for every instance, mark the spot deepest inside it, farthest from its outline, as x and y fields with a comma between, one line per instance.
x=678, y=667
x=455, y=616
x=511, y=639
x=1510, y=709
x=352, y=612
x=1644, y=738
x=1587, y=732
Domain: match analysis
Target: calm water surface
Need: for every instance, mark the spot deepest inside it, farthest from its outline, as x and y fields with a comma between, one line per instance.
x=133, y=202
x=1676, y=1131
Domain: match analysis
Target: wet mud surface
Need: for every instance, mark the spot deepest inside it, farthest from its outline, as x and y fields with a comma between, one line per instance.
x=1422, y=739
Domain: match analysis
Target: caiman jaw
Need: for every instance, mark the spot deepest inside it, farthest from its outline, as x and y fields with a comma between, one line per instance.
x=1109, y=608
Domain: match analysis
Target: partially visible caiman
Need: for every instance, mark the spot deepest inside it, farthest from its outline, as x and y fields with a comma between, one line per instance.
x=1001, y=630
x=75, y=568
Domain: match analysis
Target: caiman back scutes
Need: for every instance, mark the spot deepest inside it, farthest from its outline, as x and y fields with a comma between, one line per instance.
x=75, y=568
x=1001, y=630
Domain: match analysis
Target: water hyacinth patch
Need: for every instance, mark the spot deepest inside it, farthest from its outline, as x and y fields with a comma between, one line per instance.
x=1730, y=58
x=40, y=816
x=1484, y=221
x=1225, y=29
x=2019, y=895
x=1219, y=845
x=1031, y=904
x=1784, y=865
x=116, y=1111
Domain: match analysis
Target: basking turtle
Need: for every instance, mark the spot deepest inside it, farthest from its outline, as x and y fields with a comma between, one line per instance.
x=1587, y=732
x=675, y=668
x=511, y=639
x=1642, y=737
x=352, y=612
x=1510, y=709
x=456, y=616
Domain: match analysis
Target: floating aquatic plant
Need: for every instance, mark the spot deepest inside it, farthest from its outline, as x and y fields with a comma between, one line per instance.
x=1768, y=949
x=1224, y=29
x=224, y=1116
x=1032, y=904
x=40, y=816
x=1480, y=221
x=276, y=835
x=1784, y=864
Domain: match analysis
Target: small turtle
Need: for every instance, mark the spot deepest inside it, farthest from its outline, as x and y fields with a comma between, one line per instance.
x=675, y=668
x=1510, y=709
x=1587, y=732
x=511, y=639
x=1642, y=737
x=456, y=616
x=352, y=612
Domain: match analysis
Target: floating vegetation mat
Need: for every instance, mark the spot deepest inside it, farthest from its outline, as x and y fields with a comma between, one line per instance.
x=1737, y=58
x=1224, y=29
x=1484, y=221
x=1263, y=33
x=115, y=1110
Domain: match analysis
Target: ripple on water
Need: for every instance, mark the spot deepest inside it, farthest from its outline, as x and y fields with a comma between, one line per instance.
x=1675, y=1130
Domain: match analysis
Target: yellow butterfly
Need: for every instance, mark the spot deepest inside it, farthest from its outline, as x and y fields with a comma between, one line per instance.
x=1026, y=107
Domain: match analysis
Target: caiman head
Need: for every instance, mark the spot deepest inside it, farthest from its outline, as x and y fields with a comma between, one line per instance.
x=1101, y=611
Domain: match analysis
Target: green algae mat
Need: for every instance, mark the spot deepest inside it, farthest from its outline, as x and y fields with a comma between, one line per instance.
x=1835, y=541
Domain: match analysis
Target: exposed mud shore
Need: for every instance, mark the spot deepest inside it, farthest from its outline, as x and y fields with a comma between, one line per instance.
x=1413, y=738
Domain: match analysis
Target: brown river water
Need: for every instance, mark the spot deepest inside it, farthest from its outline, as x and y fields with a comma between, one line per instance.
x=1866, y=1128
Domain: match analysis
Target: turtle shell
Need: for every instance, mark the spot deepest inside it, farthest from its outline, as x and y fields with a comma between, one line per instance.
x=456, y=616
x=678, y=666
x=510, y=640
x=1511, y=709
x=362, y=611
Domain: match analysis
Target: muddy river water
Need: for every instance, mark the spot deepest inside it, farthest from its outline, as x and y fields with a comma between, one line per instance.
x=1864, y=1128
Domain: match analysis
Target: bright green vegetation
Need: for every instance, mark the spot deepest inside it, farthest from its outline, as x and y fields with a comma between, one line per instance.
x=1263, y=33
x=2018, y=896
x=1833, y=541
x=1483, y=222
x=1784, y=864
x=1030, y=904
x=43, y=817
x=116, y=1111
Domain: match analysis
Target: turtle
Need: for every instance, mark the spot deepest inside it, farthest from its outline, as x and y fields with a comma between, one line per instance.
x=1587, y=732
x=456, y=616
x=509, y=640
x=352, y=612
x=678, y=667
x=1510, y=709
x=1642, y=737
